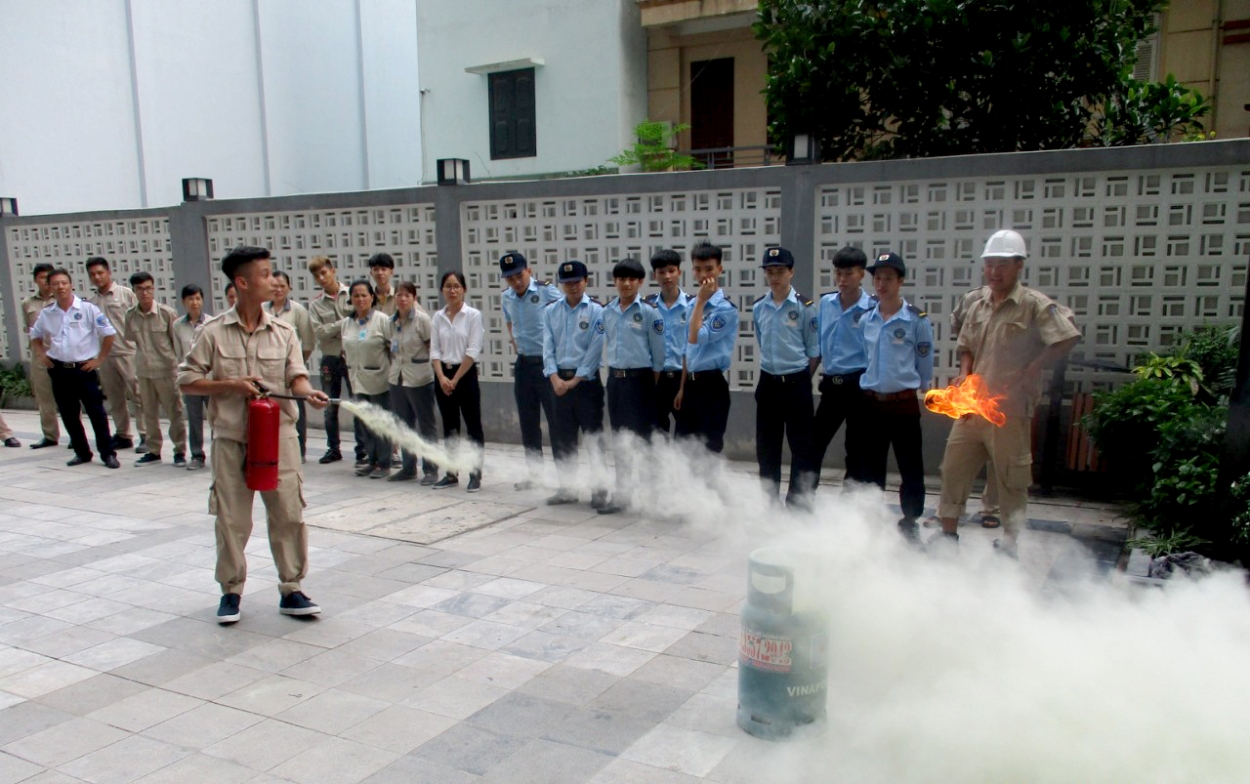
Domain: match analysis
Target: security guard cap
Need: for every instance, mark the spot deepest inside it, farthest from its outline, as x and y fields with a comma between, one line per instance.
x=570, y=271
x=512, y=263
x=888, y=259
x=778, y=257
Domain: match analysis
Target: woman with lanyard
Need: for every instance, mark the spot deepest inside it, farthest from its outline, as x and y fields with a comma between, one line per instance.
x=455, y=345
x=412, y=378
x=366, y=347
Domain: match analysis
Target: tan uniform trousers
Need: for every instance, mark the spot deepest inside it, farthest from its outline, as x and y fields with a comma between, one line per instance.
x=157, y=394
x=117, y=378
x=41, y=383
x=973, y=441
x=231, y=501
x=6, y=432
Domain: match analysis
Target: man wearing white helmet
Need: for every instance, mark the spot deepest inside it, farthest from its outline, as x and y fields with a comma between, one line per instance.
x=1008, y=338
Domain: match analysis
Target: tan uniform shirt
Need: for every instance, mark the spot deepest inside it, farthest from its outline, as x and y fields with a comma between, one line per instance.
x=225, y=350
x=386, y=304
x=31, y=307
x=961, y=310
x=367, y=347
x=114, y=304
x=327, y=314
x=1003, y=339
x=155, y=339
x=298, y=317
x=410, y=349
x=185, y=330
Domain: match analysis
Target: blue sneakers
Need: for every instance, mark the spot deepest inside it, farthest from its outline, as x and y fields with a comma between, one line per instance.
x=296, y=603
x=228, y=610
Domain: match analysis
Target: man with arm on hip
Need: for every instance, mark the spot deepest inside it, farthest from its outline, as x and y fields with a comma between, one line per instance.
x=117, y=374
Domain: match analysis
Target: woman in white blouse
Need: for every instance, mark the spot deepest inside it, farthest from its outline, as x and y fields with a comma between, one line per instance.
x=367, y=349
x=412, y=378
x=455, y=346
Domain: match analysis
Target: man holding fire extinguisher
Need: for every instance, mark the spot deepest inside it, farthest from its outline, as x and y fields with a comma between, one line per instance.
x=238, y=359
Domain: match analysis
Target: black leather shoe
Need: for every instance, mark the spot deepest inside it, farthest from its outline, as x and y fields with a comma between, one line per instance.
x=12, y=442
x=42, y=444
x=77, y=460
x=111, y=462
x=123, y=443
x=331, y=456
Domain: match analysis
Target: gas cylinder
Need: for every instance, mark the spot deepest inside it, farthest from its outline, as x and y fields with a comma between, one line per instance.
x=782, y=651
x=263, y=419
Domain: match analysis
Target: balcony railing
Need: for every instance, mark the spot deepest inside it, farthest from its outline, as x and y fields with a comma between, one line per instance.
x=735, y=157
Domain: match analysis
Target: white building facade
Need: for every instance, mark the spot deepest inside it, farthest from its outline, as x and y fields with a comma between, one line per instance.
x=530, y=87
x=108, y=104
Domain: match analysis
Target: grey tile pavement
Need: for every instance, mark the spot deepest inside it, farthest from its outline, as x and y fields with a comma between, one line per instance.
x=486, y=638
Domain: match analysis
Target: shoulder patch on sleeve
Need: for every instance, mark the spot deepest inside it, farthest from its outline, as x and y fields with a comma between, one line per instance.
x=923, y=349
x=915, y=311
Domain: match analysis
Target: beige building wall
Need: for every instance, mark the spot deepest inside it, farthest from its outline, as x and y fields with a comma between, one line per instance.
x=1205, y=44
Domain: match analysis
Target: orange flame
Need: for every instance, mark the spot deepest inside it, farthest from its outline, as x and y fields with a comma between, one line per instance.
x=970, y=397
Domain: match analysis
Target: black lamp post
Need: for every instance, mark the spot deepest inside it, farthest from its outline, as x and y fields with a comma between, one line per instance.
x=804, y=148
x=453, y=171
x=8, y=206
x=197, y=189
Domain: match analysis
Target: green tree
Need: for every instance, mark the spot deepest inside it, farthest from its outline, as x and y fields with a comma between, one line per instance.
x=913, y=78
x=654, y=151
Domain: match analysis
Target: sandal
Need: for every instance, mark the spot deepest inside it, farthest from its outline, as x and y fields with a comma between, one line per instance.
x=990, y=521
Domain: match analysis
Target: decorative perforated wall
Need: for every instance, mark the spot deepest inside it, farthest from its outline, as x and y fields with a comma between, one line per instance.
x=1139, y=256
x=348, y=236
x=601, y=230
x=130, y=245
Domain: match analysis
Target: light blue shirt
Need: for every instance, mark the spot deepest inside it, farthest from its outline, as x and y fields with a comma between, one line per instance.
x=714, y=348
x=900, y=350
x=634, y=336
x=72, y=335
x=842, y=334
x=675, y=329
x=787, y=333
x=525, y=314
x=573, y=337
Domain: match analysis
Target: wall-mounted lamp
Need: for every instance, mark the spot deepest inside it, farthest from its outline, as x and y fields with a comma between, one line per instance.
x=453, y=171
x=804, y=149
x=8, y=206
x=197, y=189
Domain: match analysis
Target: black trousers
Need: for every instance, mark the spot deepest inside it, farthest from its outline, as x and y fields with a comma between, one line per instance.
x=896, y=423
x=631, y=407
x=76, y=390
x=533, y=399
x=465, y=402
x=578, y=411
x=841, y=400
x=705, y=409
x=415, y=407
x=665, y=390
x=335, y=383
x=377, y=448
x=783, y=407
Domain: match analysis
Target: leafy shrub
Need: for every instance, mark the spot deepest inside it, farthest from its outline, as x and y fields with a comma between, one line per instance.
x=1125, y=425
x=1215, y=351
x=1184, y=491
x=14, y=383
x=654, y=149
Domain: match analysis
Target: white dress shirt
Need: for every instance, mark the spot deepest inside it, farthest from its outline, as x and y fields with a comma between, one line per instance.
x=72, y=335
x=454, y=339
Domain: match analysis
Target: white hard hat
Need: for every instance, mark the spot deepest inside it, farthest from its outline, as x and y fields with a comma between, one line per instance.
x=1005, y=244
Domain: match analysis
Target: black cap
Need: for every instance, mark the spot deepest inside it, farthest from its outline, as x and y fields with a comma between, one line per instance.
x=570, y=271
x=778, y=257
x=511, y=263
x=891, y=260
x=629, y=268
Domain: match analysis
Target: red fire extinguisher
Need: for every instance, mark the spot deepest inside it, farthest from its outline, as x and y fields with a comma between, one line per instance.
x=263, y=417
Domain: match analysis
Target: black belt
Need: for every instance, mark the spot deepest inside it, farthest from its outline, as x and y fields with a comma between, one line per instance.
x=888, y=397
x=705, y=375
x=788, y=378
x=838, y=379
x=670, y=374
x=566, y=374
x=526, y=360
x=628, y=372
x=68, y=365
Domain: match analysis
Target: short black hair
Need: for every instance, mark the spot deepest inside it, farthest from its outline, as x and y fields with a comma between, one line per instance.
x=706, y=250
x=629, y=268
x=283, y=275
x=665, y=258
x=452, y=274
x=850, y=256
x=190, y=290
x=97, y=261
x=368, y=287
x=141, y=277
x=381, y=260
x=229, y=287
x=240, y=255
x=60, y=271
x=41, y=268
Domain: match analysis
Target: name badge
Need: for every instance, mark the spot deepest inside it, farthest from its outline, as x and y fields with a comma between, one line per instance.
x=394, y=345
x=363, y=334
